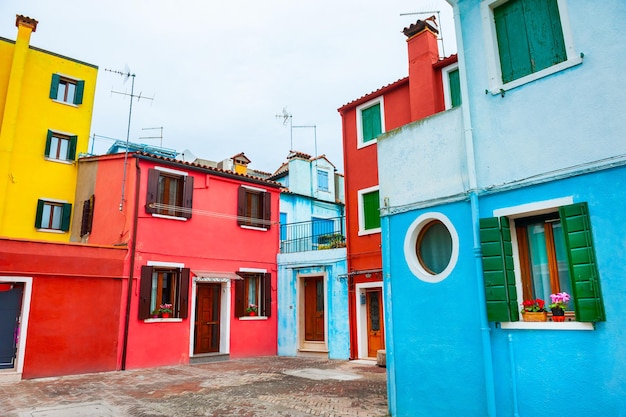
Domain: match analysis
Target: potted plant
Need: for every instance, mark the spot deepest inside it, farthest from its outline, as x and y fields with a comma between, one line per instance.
x=533, y=310
x=559, y=302
x=165, y=310
x=252, y=309
x=155, y=313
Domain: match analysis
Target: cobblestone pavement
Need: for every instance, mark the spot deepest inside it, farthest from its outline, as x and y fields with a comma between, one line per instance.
x=254, y=387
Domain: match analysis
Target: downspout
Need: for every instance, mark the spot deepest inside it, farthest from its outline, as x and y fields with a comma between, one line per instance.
x=133, y=250
x=474, y=205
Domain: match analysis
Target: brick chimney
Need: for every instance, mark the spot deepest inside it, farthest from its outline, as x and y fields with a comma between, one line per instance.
x=425, y=87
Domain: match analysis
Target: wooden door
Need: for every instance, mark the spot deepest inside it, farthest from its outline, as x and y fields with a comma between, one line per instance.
x=207, y=325
x=314, y=309
x=375, y=322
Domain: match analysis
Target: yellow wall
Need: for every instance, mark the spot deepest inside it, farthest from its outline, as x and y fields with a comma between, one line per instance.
x=25, y=174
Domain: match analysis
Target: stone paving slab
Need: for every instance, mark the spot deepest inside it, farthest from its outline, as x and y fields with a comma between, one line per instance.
x=253, y=387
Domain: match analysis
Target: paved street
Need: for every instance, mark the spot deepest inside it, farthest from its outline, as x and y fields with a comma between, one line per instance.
x=259, y=387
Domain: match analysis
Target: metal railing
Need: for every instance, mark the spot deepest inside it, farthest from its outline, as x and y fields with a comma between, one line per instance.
x=318, y=234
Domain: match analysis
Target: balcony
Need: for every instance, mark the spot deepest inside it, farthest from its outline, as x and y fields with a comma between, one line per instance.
x=318, y=234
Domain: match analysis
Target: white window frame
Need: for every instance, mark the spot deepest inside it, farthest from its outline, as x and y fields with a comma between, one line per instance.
x=359, y=120
x=362, y=230
x=445, y=78
x=526, y=210
x=496, y=86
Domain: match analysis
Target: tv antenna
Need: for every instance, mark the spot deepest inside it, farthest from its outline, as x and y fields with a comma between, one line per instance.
x=437, y=23
x=154, y=137
x=288, y=117
x=127, y=74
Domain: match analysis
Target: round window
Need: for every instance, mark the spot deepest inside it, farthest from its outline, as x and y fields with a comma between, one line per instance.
x=431, y=247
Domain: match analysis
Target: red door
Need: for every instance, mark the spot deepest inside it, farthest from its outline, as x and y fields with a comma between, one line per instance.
x=207, y=325
x=314, y=309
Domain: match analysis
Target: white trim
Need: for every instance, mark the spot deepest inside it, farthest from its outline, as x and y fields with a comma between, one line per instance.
x=259, y=270
x=164, y=216
x=362, y=230
x=492, y=54
x=58, y=231
x=568, y=325
x=162, y=320
x=225, y=313
x=171, y=171
x=531, y=209
x=54, y=200
x=262, y=229
x=247, y=187
x=445, y=79
x=63, y=161
x=359, y=121
x=361, y=316
x=16, y=375
x=410, y=240
x=304, y=345
x=166, y=264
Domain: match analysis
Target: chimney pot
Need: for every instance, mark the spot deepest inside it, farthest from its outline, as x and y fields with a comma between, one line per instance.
x=21, y=20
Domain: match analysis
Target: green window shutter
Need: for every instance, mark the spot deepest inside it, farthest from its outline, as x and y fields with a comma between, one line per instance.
x=78, y=95
x=582, y=263
x=66, y=215
x=39, y=215
x=371, y=124
x=48, y=143
x=371, y=211
x=71, y=151
x=515, y=60
x=545, y=35
x=54, y=86
x=498, y=270
x=455, y=88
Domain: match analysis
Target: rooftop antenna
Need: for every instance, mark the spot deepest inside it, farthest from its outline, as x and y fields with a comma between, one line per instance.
x=287, y=117
x=154, y=137
x=127, y=74
x=438, y=22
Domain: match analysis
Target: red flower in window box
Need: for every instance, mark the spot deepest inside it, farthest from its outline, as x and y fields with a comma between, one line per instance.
x=533, y=306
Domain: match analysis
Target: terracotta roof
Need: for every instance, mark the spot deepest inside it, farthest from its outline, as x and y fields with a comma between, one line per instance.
x=298, y=154
x=374, y=94
x=446, y=61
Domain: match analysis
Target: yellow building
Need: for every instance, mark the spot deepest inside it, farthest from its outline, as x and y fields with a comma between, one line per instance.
x=46, y=105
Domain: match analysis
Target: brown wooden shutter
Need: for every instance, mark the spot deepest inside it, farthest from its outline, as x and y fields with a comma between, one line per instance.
x=87, y=219
x=153, y=184
x=184, y=294
x=187, y=197
x=240, y=309
x=145, y=290
x=267, y=210
x=241, y=205
x=267, y=295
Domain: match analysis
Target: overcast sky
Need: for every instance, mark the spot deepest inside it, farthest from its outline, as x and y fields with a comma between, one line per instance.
x=219, y=72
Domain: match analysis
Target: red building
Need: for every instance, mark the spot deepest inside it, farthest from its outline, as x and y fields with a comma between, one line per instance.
x=431, y=86
x=202, y=245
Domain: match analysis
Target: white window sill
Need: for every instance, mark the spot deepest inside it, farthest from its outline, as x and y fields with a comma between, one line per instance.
x=51, y=231
x=162, y=320
x=252, y=318
x=163, y=216
x=499, y=87
x=62, y=161
x=253, y=228
x=369, y=232
x=546, y=325
x=67, y=103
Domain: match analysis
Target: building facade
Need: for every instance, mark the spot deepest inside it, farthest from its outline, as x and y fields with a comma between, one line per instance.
x=46, y=104
x=515, y=202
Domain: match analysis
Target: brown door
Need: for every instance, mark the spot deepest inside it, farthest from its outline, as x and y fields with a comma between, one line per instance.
x=207, y=326
x=314, y=309
x=375, y=324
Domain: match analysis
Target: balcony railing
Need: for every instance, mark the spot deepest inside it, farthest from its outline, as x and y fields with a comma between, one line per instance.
x=317, y=234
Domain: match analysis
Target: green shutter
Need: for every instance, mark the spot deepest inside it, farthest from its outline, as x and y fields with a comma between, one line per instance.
x=515, y=59
x=71, y=150
x=455, y=88
x=371, y=124
x=39, y=215
x=581, y=257
x=371, y=212
x=66, y=214
x=54, y=86
x=498, y=270
x=78, y=95
x=48, y=143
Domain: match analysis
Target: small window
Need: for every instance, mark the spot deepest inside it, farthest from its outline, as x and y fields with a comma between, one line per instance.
x=87, y=218
x=322, y=180
x=253, y=293
x=547, y=253
x=66, y=90
x=53, y=215
x=369, y=211
x=170, y=193
x=451, y=86
x=370, y=122
x=163, y=286
x=60, y=146
x=254, y=208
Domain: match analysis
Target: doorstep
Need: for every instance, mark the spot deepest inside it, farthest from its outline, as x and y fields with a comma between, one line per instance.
x=209, y=357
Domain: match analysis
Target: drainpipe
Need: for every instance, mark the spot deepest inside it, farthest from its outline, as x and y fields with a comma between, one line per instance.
x=133, y=250
x=473, y=195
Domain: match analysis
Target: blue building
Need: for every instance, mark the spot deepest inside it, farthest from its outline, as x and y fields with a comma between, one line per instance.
x=516, y=195
x=312, y=272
